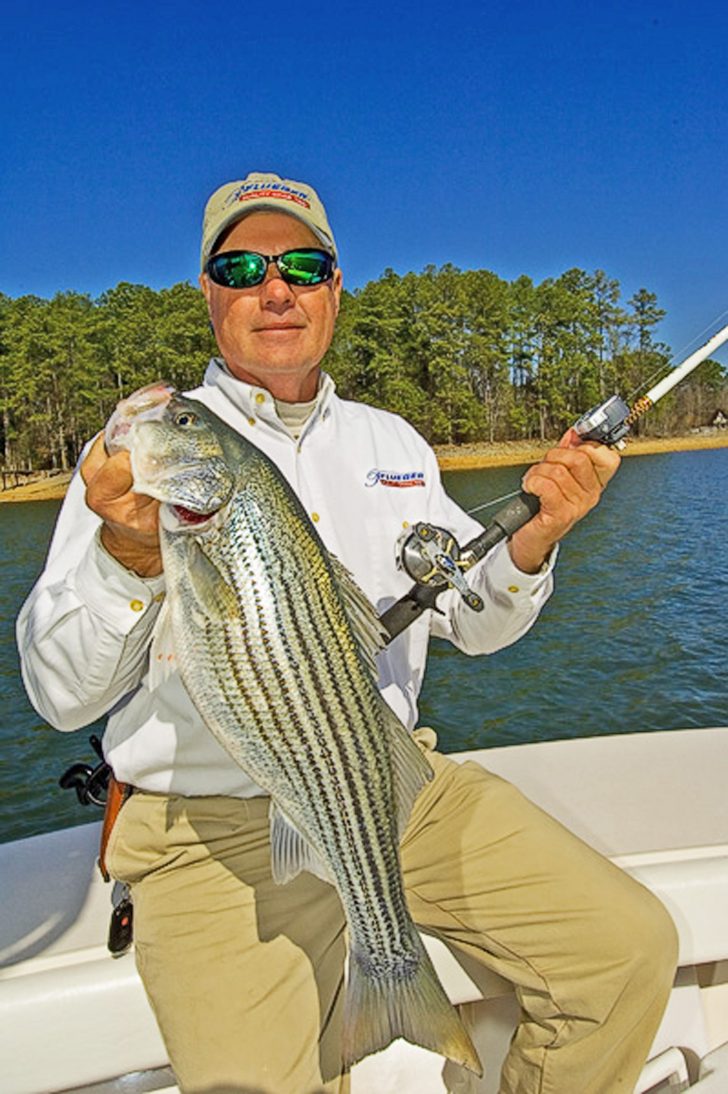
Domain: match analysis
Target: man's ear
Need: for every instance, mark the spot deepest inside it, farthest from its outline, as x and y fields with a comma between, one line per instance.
x=337, y=285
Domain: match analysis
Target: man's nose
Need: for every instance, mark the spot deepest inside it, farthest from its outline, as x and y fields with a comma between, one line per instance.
x=273, y=288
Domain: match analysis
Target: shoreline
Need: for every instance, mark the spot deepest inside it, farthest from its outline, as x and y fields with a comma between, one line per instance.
x=474, y=457
x=463, y=457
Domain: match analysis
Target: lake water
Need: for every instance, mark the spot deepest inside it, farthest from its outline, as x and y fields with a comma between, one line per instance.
x=633, y=639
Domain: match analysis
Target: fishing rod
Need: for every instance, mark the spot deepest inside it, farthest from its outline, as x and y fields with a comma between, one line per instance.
x=434, y=559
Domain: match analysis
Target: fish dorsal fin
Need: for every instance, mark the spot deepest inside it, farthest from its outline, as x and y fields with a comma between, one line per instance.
x=410, y=770
x=290, y=851
x=370, y=635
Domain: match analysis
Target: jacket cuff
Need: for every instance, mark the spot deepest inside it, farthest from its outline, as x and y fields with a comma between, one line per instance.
x=508, y=582
x=108, y=589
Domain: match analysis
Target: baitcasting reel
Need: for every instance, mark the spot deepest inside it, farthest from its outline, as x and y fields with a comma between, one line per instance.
x=431, y=556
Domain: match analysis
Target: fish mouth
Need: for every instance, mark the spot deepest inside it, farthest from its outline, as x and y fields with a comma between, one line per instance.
x=188, y=516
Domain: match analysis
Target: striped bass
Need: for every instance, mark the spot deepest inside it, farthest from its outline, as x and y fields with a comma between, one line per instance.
x=276, y=646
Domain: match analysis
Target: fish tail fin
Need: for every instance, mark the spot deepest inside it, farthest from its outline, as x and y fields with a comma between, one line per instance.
x=410, y=1004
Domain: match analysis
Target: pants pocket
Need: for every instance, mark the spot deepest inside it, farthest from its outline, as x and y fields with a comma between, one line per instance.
x=134, y=847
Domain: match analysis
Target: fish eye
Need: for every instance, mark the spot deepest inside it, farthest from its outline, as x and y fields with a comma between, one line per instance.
x=185, y=417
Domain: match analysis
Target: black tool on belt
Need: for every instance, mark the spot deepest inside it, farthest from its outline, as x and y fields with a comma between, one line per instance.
x=90, y=783
x=97, y=786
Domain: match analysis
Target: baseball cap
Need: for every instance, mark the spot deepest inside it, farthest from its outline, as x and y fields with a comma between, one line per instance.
x=234, y=200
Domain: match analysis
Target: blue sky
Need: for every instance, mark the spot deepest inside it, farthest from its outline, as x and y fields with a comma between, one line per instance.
x=519, y=137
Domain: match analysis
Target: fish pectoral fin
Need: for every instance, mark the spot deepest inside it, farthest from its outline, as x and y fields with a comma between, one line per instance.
x=410, y=770
x=210, y=588
x=369, y=634
x=291, y=852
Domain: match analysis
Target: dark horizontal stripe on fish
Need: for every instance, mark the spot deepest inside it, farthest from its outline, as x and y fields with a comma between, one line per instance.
x=358, y=835
x=314, y=688
x=354, y=694
x=283, y=705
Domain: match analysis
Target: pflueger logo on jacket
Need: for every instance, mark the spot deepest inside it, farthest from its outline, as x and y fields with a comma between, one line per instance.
x=395, y=478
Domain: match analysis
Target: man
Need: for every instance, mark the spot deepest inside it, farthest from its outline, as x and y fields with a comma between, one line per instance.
x=246, y=977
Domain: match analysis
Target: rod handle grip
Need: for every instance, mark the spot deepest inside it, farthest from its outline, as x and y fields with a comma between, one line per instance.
x=509, y=518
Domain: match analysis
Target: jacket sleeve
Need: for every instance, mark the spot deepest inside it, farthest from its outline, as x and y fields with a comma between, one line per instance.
x=85, y=629
x=512, y=599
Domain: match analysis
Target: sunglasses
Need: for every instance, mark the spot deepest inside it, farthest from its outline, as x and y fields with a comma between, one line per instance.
x=244, y=269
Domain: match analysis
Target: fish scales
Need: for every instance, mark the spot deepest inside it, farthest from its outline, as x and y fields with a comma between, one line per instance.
x=322, y=693
x=274, y=644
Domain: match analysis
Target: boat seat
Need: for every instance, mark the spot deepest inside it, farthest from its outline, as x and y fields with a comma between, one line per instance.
x=71, y=1015
x=67, y=1027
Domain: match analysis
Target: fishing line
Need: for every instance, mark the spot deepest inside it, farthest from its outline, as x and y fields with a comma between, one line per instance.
x=487, y=504
x=678, y=355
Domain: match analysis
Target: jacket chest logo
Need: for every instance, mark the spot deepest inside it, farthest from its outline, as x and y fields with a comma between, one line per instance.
x=377, y=477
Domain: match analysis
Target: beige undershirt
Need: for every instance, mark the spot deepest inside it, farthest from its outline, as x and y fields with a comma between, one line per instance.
x=295, y=415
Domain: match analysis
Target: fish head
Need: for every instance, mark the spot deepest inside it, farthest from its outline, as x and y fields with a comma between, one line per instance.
x=176, y=453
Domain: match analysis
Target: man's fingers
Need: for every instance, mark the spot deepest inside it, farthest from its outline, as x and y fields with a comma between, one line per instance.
x=554, y=483
x=570, y=439
x=577, y=465
x=106, y=477
x=130, y=531
x=606, y=460
x=585, y=459
x=94, y=460
x=112, y=480
x=568, y=482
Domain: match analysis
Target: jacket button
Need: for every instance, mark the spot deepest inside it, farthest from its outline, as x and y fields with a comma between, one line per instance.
x=136, y=605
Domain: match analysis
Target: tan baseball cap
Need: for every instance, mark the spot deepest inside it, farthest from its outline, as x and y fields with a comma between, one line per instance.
x=235, y=200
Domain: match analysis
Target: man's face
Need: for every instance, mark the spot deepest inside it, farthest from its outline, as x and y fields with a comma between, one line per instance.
x=273, y=334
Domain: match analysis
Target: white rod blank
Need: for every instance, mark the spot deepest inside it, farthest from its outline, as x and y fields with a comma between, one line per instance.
x=681, y=371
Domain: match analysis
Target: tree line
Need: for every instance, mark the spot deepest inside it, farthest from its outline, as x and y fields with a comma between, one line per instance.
x=463, y=354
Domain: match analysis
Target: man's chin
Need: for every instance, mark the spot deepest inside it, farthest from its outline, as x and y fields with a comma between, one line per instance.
x=286, y=379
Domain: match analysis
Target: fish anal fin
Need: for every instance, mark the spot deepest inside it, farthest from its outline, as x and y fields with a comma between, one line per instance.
x=291, y=852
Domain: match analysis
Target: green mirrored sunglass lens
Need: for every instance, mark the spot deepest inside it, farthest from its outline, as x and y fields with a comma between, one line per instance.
x=244, y=269
x=306, y=267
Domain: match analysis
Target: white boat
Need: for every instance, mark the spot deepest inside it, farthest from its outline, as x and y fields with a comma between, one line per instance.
x=73, y=1018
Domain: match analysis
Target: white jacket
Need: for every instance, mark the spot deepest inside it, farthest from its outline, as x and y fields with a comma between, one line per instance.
x=363, y=475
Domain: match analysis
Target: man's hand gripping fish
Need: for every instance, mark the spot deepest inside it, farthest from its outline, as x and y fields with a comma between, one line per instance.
x=276, y=646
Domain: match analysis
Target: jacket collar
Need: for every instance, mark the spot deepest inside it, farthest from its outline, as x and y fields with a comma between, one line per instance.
x=257, y=404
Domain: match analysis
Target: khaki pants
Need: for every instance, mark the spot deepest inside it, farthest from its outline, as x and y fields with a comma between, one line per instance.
x=246, y=977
